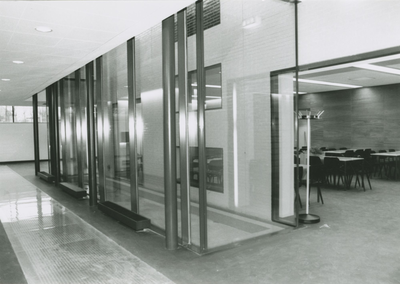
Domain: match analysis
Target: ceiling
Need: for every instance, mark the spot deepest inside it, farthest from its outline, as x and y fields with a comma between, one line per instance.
x=81, y=31
x=84, y=30
x=367, y=73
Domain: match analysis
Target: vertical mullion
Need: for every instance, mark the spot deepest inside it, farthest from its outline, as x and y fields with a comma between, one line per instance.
x=168, y=68
x=36, y=133
x=91, y=134
x=297, y=110
x=56, y=159
x=49, y=106
x=132, y=125
x=78, y=122
x=201, y=125
x=63, y=97
x=100, y=127
x=183, y=126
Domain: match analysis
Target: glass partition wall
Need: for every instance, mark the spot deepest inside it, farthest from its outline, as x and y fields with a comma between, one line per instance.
x=115, y=143
x=43, y=132
x=72, y=114
x=225, y=156
x=149, y=125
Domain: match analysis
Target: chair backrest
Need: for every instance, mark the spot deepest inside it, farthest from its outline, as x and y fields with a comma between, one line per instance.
x=317, y=173
x=392, y=150
x=300, y=175
x=315, y=161
x=349, y=153
x=331, y=163
x=359, y=153
x=333, y=154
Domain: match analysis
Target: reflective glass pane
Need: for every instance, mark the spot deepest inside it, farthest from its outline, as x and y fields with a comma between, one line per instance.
x=242, y=49
x=68, y=130
x=115, y=127
x=6, y=114
x=149, y=119
x=23, y=114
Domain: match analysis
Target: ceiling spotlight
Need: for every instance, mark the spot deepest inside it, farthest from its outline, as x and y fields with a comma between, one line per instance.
x=5, y=79
x=43, y=29
x=18, y=61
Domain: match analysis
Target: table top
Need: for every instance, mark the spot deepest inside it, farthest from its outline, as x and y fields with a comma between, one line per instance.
x=387, y=154
x=341, y=151
x=346, y=159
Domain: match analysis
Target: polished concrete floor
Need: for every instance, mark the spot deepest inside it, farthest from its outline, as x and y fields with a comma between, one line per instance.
x=357, y=241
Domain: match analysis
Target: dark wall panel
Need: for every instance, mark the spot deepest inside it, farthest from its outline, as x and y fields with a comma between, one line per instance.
x=359, y=118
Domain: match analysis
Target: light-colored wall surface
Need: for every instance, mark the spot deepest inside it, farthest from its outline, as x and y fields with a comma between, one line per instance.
x=336, y=28
x=16, y=142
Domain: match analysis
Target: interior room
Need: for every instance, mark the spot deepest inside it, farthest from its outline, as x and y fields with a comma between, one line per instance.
x=358, y=102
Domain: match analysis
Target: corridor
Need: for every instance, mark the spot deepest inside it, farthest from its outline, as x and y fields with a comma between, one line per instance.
x=53, y=245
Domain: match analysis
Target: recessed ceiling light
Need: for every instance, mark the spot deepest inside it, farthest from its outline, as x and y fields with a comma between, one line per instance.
x=379, y=68
x=18, y=61
x=326, y=83
x=43, y=29
x=4, y=79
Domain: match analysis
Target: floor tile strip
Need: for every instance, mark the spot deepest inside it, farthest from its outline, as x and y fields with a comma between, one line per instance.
x=53, y=245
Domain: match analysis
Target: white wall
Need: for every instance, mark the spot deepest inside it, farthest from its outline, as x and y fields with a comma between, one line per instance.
x=331, y=29
x=16, y=142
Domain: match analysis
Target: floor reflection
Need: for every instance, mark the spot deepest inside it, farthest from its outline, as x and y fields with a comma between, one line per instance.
x=53, y=245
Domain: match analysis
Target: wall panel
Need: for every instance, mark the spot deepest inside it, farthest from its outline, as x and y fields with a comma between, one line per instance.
x=360, y=118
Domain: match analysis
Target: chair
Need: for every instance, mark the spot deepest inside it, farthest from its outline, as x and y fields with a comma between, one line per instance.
x=349, y=153
x=215, y=171
x=317, y=177
x=343, y=148
x=391, y=165
x=366, y=169
x=299, y=179
x=315, y=161
x=381, y=167
x=358, y=153
x=357, y=169
x=333, y=170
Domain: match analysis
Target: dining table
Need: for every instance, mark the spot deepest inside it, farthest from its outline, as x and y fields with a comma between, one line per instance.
x=395, y=155
x=348, y=164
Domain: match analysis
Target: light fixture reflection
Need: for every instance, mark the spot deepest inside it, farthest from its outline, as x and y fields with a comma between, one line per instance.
x=379, y=68
x=327, y=83
x=43, y=29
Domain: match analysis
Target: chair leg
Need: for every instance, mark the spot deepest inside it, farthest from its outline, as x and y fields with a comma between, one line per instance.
x=319, y=193
x=369, y=182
